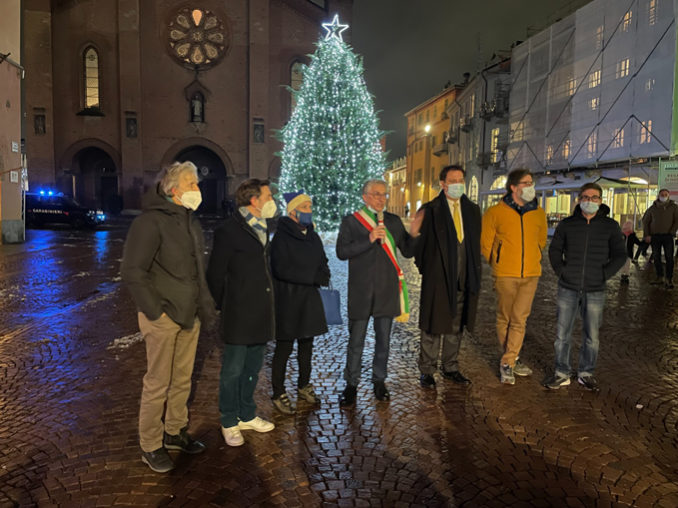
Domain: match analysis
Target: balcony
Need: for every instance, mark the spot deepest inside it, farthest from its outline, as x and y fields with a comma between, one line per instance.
x=440, y=149
x=466, y=124
x=452, y=138
x=484, y=159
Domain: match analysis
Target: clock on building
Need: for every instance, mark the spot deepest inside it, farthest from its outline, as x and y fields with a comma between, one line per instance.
x=197, y=37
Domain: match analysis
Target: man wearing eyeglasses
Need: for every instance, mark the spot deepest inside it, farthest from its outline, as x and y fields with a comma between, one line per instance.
x=587, y=249
x=513, y=235
x=376, y=287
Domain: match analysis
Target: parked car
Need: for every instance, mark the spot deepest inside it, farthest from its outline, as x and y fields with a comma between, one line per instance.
x=48, y=207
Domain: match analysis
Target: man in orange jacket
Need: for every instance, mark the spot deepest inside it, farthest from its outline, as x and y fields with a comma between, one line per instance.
x=513, y=235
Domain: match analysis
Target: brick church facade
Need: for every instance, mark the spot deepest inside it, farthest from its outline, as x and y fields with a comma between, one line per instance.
x=115, y=89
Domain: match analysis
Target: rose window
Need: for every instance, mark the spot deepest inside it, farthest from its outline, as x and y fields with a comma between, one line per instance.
x=197, y=38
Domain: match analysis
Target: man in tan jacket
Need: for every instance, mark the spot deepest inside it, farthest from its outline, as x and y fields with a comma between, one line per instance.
x=513, y=236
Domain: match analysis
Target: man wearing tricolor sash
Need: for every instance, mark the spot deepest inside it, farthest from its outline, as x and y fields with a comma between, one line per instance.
x=368, y=238
x=448, y=258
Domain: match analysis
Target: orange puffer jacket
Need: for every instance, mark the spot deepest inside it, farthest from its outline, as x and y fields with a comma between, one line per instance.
x=512, y=243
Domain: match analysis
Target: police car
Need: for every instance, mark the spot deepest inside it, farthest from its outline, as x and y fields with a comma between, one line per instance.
x=49, y=207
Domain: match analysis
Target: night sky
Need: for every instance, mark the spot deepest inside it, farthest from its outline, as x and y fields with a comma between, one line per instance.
x=411, y=48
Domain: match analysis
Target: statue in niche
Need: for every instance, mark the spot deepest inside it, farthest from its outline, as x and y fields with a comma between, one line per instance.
x=197, y=108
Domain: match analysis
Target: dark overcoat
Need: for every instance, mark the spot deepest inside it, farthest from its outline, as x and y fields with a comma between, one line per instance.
x=299, y=267
x=373, y=287
x=163, y=263
x=239, y=277
x=436, y=259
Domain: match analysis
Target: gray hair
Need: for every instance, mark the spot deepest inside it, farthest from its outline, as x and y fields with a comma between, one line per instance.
x=371, y=182
x=169, y=176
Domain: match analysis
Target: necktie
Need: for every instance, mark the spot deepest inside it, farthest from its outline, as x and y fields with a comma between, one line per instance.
x=457, y=222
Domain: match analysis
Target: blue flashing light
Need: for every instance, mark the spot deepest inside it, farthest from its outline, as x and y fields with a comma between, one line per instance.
x=49, y=193
x=42, y=192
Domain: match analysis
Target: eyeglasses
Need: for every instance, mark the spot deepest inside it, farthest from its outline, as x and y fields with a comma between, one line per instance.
x=530, y=183
x=595, y=199
x=378, y=195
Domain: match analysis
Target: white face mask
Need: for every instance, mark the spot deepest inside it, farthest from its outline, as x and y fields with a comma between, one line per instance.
x=663, y=199
x=527, y=194
x=456, y=190
x=191, y=199
x=268, y=210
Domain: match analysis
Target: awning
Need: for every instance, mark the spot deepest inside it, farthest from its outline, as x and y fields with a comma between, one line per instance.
x=573, y=185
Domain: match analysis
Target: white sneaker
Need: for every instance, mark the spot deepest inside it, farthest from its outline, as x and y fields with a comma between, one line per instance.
x=232, y=436
x=256, y=423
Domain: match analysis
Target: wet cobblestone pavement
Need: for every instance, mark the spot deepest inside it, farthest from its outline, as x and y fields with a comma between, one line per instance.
x=71, y=367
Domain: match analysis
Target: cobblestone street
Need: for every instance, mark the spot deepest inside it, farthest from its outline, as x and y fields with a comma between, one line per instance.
x=71, y=367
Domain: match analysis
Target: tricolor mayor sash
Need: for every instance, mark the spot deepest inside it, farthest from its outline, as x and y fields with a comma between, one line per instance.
x=369, y=221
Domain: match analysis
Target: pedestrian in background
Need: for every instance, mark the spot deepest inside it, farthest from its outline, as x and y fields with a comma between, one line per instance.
x=513, y=236
x=631, y=240
x=660, y=224
x=448, y=258
x=163, y=267
x=376, y=286
x=239, y=277
x=299, y=267
x=587, y=249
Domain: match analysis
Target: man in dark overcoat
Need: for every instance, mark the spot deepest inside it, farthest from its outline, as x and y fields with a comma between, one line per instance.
x=448, y=258
x=376, y=287
x=239, y=277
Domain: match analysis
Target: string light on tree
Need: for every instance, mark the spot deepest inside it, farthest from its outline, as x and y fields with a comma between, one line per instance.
x=331, y=143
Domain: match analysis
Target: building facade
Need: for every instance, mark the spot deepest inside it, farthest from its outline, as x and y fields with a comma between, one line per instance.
x=11, y=167
x=479, y=127
x=395, y=177
x=428, y=126
x=116, y=89
x=594, y=96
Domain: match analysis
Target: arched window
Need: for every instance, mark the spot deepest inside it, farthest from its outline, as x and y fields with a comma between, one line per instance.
x=499, y=183
x=473, y=189
x=91, y=75
x=296, y=77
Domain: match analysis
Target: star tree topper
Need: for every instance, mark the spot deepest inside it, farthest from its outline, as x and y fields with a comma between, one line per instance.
x=334, y=29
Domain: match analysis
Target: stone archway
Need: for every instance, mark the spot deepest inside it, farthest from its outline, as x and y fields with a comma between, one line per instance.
x=212, y=172
x=96, y=180
x=90, y=172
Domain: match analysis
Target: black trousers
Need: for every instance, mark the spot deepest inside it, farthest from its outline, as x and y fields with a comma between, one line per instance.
x=283, y=350
x=665, y=241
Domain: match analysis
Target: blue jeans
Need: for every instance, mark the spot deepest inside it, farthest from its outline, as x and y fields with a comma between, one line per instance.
x=240, y=368
x=357, y=328
x=590, y=306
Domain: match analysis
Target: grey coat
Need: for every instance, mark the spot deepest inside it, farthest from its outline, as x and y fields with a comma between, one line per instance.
x=373, y=287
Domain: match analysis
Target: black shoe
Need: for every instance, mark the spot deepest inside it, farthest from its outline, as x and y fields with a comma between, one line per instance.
x=669, y=284
x=158, y=460
x=589, y=382
x=380, y=391
x=427, y=381
x=348, y=396
x=457, y=377
x=183, y=442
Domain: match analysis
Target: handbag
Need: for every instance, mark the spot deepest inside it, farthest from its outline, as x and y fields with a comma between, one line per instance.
x=332, y=305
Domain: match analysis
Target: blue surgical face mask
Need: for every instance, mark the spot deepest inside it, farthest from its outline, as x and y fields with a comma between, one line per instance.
x=589, y=207
x=456, y=190
x=305, y=218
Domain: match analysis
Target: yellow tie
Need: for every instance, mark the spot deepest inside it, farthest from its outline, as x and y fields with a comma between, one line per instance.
x=457, y=222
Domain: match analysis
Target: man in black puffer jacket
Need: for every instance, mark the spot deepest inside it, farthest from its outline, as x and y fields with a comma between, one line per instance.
x=587, y=249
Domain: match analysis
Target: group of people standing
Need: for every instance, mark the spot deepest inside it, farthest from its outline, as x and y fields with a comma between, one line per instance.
x=263, y=276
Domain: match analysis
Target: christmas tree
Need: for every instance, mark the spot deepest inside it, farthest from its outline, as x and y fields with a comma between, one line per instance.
x=331, y=143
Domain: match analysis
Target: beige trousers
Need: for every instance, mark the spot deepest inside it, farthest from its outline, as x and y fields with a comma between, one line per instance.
x=514, y=304
x=170, y=355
